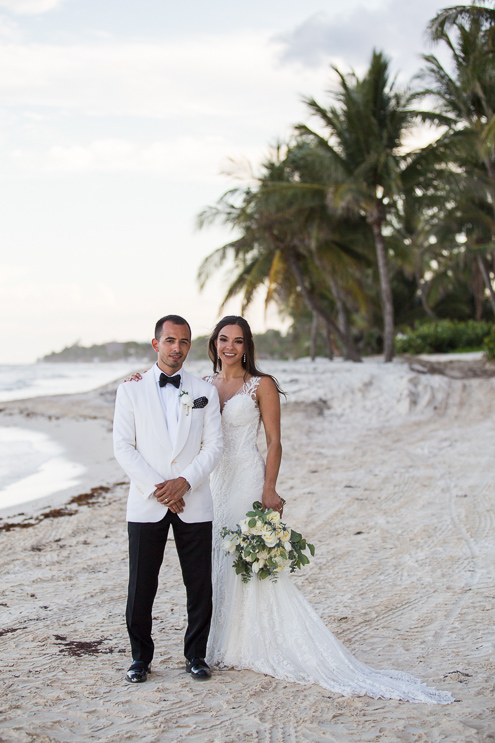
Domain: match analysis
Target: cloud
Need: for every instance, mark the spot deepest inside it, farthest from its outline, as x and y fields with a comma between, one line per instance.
x=190, y=78
x=397, y=28
x=193, y=159
x=53, y=96
x=30, y=7
x=9, y=31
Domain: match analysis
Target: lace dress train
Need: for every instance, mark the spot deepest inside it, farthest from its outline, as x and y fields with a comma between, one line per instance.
x=270, y=627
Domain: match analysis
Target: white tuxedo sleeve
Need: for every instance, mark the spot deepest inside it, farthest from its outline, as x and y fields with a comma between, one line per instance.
x=211, y=444
x=144, y=477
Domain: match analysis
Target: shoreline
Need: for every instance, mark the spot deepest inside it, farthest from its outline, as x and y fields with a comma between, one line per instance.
x=388, y=471
x=84, y=443
x=81, y=425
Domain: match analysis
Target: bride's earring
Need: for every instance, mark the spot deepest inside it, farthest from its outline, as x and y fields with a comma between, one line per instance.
x=244, y=358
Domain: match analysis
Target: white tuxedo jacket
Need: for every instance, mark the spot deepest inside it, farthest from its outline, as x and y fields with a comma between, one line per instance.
x=143, y=448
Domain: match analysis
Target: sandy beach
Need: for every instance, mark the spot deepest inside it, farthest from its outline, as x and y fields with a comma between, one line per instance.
x=388, y=469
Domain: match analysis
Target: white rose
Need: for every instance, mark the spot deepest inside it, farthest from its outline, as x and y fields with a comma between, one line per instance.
x=269, y=534
x=187, y=401
x=228, y=546
x=244, y=524
x=274, y=517
x=270, y=539
x=257, y=567
x=257, y=529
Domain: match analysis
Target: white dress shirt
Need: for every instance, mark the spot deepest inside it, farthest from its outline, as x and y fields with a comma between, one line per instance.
x=169, y=398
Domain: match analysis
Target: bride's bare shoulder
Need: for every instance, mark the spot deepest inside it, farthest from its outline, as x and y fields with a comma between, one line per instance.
x=266, y=384
x=266, y=391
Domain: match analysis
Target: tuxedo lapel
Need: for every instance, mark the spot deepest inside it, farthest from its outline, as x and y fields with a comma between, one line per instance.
x=184, y=422
x=156, y=412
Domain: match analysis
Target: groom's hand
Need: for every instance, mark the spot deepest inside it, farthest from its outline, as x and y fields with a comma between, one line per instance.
x=170, y=493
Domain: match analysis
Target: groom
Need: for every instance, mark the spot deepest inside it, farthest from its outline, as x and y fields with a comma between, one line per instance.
x=168, y=438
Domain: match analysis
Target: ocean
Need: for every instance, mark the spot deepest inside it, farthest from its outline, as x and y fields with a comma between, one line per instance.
x=34, y=380
x=30, y=461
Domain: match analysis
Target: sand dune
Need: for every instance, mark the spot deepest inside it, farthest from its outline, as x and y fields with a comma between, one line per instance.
x=389, y=471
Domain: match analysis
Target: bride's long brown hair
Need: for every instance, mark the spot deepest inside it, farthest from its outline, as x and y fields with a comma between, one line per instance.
x=249, y=365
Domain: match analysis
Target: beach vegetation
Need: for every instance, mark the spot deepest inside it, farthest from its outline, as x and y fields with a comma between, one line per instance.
x=445, y=336
x=354, y=231
x=489, y=345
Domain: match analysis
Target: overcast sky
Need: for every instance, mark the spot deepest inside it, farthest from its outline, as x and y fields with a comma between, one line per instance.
x=117, y=120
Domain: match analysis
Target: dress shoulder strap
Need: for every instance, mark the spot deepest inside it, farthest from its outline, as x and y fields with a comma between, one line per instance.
x=251, y=386
x=209, y=378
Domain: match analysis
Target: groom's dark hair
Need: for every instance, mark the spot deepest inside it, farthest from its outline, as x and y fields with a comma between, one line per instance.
x=175, y=319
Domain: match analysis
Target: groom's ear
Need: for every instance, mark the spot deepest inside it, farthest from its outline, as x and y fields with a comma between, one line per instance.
x=154, y=343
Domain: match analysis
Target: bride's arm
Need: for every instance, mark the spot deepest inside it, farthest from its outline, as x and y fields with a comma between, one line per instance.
x=269, y=403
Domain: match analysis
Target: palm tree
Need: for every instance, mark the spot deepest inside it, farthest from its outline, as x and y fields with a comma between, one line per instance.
x=363, y=146
x=283, y=223
x=465, y=232
x=458, y=15
x=465, y=107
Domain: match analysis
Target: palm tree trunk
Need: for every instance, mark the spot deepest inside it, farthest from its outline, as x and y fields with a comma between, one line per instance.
x=350, y=351
x=423, y=293
x=487, y=280
x=478, y=288
x=385, y=288
x=328, y=336
x=342, y=316
x=314, y=332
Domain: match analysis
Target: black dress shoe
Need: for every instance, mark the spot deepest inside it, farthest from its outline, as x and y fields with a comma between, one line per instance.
x=138, y=672
x=198, y=668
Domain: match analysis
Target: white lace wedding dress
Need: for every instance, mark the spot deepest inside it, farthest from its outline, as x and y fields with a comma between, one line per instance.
x=270, y=627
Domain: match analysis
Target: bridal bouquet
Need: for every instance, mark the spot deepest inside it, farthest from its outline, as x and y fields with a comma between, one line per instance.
x=264, y=546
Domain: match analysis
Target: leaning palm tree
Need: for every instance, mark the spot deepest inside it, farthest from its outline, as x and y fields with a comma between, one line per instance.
x=280, y=221
x=363, y=144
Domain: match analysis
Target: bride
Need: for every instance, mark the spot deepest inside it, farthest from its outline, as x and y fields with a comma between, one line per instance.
x=260, y=625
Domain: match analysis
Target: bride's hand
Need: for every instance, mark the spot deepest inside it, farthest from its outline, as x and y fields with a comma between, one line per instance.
x=271, y=499
x=134, y=377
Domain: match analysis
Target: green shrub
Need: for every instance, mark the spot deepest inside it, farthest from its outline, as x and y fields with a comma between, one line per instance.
x=489, y=345
x=444, y=336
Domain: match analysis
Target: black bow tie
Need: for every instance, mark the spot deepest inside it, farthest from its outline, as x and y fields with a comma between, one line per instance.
x=169, y=380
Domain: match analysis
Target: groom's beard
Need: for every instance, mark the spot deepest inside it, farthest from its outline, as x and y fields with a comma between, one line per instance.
x=171, y=365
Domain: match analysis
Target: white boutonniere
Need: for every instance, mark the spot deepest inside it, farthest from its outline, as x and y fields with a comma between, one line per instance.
x=186, y=400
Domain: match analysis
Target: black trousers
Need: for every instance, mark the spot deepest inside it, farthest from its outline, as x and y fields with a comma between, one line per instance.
x=146, y=547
